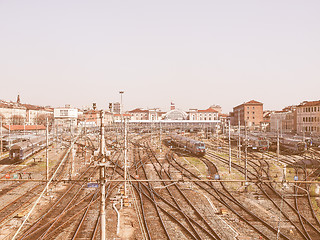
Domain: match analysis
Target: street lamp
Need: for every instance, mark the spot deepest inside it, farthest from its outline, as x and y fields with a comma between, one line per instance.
x=121, y=93
x=125, y=145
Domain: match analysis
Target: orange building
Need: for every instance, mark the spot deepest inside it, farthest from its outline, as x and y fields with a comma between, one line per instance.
x=249, y=113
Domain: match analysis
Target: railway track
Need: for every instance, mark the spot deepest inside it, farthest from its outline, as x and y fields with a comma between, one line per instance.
x=26, y=191
x=276, y=196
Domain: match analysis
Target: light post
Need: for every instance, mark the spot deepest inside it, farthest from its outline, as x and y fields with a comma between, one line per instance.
x=125, y=145
x=102, y=179
x=47, y=156
x=121, y=93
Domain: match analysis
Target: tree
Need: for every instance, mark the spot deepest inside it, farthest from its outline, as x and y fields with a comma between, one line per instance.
x=42, y=118
x=17, y=120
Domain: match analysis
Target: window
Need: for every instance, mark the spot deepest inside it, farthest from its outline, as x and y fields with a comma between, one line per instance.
x=252, y=112
x=252, y=117
x=247, y=112
x=252, y=107
x=247, y=117
x=63, y=112
x=247, y=108
x=303, y=119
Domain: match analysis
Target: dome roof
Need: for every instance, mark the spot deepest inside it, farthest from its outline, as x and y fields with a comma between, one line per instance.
x=176, y=114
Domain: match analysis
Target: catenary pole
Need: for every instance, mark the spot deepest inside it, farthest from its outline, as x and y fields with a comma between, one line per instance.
x=47, y=156
x=102, y=179
x=229, y=150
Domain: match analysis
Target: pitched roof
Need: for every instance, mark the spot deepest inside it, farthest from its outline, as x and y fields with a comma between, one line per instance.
x=309, y=103
x=252, y=102
x=138, y=110
x=208, y=110
x=24, y=127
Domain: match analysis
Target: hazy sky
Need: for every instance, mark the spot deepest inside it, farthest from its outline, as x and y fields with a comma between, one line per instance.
x=194, y=53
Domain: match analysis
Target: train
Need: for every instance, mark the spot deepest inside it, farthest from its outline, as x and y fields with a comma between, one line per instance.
x=193, y=146
x=315, y=143
x=254, y=143
x=251, y=142
x=293, y=146
x=22, y=150
x=288, y=145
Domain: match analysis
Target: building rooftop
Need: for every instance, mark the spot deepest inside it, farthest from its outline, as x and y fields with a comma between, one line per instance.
x=251, y=102
x=309, y=103
x=211, y=110
x=24, y=127
x=138, y=110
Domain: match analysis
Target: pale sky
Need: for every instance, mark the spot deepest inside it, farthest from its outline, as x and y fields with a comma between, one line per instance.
x=194, y=53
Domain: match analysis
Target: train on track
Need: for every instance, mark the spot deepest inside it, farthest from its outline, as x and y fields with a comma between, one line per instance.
x=193, y=146
x=292, y=146
x=251, y=142
x=288, y=145
x=22, y=150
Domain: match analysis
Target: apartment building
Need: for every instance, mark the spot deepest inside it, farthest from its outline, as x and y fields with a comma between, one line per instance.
x=308, y=117
x=249, y=113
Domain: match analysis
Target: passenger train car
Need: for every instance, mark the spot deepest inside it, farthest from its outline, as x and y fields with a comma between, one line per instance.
x=22, y=150
x=293, y=146
x=252, y=142
x=193, y=146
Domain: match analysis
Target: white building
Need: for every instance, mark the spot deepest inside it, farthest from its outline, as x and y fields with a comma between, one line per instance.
x=65, y=116
x=12, y=113
x=206, y=115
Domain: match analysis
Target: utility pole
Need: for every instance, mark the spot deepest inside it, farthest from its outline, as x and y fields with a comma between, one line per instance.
x=125, y=158
x=1, y=144
x=239, y=140
x=102, y=179
x=229, y=150
x=9, y=139
x=246, y=151
x=123, y=123
x=72, y=150
x=278, y=143
x=160, y=137
x=24, y=127
x=85, y=139
x=47, y=157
